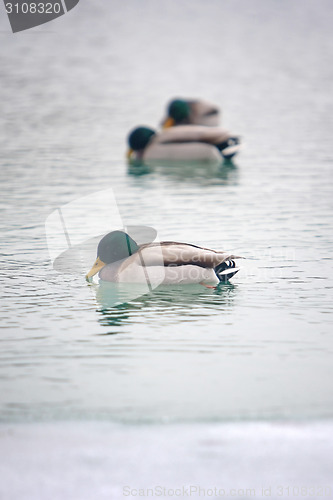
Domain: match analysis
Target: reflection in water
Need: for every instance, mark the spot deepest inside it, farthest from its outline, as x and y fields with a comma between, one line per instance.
x=225, y=171
x=184, y=302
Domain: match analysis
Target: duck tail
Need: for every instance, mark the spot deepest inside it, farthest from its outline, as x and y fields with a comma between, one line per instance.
x=230, y=147
x=226, y=270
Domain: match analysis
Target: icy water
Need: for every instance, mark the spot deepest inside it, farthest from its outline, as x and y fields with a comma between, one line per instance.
x=257, y=348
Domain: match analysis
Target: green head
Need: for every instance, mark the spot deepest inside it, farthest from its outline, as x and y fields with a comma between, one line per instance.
x=139, y=138
x=113, y=247
x=116, y=246
x=178, y=111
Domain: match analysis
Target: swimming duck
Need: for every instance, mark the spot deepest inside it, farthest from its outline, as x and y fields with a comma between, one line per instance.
x=191, y=112
x=121, y=260
x=184, y=142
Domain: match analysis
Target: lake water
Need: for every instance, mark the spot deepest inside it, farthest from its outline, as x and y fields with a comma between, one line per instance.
x=260, y=347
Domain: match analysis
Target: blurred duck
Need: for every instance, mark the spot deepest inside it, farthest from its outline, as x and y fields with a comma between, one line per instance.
x=184, y=142
x=121, y=260
x=191, y=112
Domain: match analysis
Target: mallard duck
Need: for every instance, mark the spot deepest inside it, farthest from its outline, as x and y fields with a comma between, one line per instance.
x=121, y=260
x=191, y=112
x=184, y=142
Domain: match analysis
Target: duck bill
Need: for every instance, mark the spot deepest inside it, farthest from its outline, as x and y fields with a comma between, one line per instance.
x=129, y=153
x=169, y=122
x=98, y=265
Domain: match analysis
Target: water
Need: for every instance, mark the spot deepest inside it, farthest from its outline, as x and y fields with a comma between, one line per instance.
x=260, y=348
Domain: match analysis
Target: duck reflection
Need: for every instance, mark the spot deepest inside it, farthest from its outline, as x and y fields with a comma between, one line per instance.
x=165, y=301
x=225, y=172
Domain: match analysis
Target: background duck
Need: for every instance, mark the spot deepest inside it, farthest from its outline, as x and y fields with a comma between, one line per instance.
x=121, y=260
x=191, y=112
x=184, y=142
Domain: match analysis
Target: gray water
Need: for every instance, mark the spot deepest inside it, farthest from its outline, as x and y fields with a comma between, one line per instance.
x=257, y=348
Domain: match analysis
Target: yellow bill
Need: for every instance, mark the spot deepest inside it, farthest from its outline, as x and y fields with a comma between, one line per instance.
x=169, y=122
x=129, y=153
x=95, y=268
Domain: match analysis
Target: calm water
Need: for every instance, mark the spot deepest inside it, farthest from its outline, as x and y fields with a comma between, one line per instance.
x=261, y=346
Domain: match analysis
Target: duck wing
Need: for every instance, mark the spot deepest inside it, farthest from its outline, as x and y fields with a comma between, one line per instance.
x=201, y=110
x=192, y=133
x=170, y=253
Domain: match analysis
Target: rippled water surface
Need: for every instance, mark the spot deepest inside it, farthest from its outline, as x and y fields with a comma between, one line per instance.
x=258, y=347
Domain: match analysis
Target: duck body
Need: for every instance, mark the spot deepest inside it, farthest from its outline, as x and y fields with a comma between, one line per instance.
x=134, y=272
x=182, y=152
x=163, y=263
x=184, y=142
x=191, y=112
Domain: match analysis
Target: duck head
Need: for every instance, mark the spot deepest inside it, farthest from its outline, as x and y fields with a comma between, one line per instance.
x=139, y=139
x=113, y=247
x=178, y=112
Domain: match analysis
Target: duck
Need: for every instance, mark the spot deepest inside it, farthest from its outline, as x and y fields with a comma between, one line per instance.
x=184, y=142
x=121, y=260
x=191, y=112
